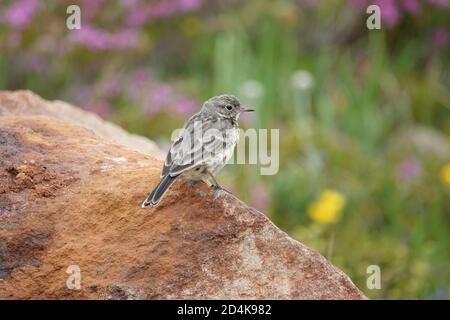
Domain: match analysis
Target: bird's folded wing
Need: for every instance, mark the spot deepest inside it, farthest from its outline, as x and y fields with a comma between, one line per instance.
x=197, y=144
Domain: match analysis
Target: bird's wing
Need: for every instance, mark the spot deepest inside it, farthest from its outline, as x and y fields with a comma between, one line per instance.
x=197, y=143
x=175, y=148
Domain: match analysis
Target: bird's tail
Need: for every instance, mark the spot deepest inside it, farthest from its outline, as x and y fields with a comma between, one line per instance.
x=155, y=196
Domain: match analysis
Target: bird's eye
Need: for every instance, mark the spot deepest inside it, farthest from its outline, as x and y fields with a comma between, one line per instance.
x=229, y=107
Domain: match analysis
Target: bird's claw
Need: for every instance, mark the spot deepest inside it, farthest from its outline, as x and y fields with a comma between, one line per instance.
x=219, y=188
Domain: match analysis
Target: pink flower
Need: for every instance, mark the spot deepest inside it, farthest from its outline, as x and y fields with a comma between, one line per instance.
x=390, y=13
x=90, y=37
x=160, y=95
x=185, y=106
x=141, y=77
x=412, y=6
x=98, y=39
x=441, y=38
x=155, y=96
x=409, y=169
x=20, y=14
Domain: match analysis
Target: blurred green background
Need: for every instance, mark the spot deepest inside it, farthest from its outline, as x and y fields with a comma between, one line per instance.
x=363, y=114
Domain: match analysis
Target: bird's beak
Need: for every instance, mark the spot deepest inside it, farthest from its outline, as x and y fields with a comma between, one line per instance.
x=246, y=109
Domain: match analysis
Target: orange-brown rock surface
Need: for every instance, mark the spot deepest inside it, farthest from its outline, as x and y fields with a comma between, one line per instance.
x=71, y=197
x=27, y=103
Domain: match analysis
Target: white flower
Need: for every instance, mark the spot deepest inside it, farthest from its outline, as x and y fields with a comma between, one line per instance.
x=302, y=80
x=252, y=89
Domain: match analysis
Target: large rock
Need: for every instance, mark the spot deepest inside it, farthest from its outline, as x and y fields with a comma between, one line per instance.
x=25, y=102
x=70, y=197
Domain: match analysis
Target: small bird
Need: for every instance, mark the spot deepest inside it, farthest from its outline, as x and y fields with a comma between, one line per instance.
x=204, y=146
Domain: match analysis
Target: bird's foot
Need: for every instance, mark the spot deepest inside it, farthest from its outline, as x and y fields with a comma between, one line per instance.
x=219, y=188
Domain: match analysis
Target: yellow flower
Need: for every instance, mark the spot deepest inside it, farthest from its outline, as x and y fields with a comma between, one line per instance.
x=445, y=174
x=328, y=208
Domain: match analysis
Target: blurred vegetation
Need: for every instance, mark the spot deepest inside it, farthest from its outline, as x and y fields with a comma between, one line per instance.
x=363, y=114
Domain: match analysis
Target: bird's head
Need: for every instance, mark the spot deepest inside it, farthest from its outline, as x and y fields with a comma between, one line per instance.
x=226, y=106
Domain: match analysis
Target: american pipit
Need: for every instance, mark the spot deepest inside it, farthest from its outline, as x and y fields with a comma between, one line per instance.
x=204, y=146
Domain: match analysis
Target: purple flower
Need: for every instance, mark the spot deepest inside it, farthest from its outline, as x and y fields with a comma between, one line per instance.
x=390, y=13
x=160, y=95
x=90, y=37
x=412, y=6
x=185, y=106
x=441, y=38
x=141, y=77
x=98, y=39
x=162, y=8
x=20, y=14
x=409, y=169
x=155, y=96
x=164, y=91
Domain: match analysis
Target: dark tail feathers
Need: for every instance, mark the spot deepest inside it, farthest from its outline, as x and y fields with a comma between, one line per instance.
x=155, y=196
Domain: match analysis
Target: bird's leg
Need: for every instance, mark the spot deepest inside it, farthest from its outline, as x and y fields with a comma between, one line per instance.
x=216, y=185
x=214, y=182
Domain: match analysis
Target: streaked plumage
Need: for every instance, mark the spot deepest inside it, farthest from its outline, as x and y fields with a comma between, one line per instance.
x=204, y=146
